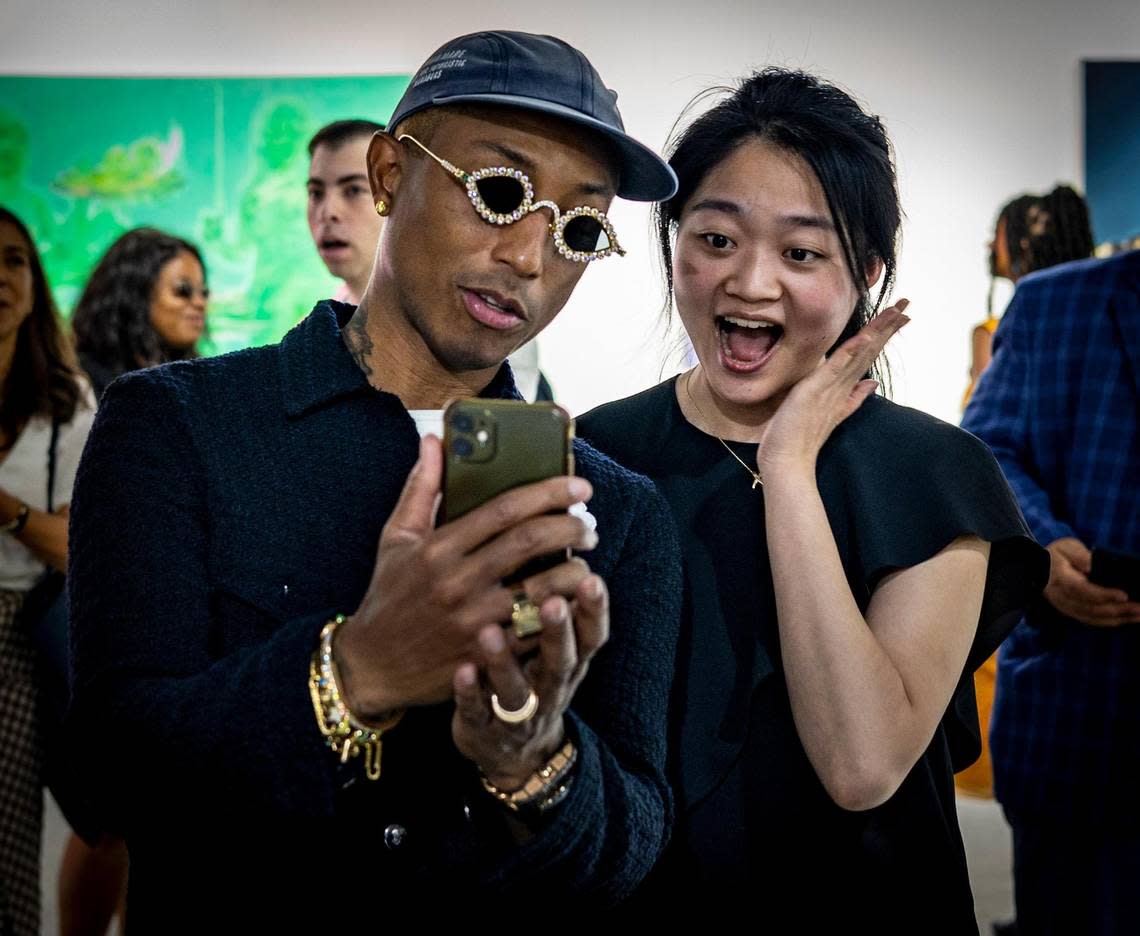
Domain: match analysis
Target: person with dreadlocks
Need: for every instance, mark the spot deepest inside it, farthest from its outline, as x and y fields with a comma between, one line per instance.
x=1060, y=409
x=1033, y=232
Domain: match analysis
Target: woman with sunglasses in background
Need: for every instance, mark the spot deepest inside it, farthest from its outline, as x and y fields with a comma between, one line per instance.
x=848, y=561
x=145, y=304
x=46, y=409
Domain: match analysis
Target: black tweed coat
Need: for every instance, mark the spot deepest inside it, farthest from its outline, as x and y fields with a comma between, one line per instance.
x=223, y=510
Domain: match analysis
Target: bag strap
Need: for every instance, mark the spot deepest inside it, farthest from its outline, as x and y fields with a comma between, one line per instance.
x=51, y=463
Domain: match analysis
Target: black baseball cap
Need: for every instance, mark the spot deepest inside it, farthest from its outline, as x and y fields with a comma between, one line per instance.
x=539, y=73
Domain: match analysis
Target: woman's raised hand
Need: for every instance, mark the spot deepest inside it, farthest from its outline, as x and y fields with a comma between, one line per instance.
x=826, y=397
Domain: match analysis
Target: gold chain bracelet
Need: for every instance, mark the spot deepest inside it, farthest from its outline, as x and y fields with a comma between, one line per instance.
x=545, y=788
x=344, y=733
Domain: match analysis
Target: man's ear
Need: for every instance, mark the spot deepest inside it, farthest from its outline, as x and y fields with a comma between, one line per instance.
x=385, y=159
x=874, y=271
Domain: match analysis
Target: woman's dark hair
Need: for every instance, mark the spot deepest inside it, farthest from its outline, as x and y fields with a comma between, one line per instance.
x=1014, y=214
x=44, y=379
x=112, y=320
x=1058, y=229
x=845, y=147
x=1042, y=231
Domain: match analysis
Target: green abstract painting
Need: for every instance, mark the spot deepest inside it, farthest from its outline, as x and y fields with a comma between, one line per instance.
x=221, y=162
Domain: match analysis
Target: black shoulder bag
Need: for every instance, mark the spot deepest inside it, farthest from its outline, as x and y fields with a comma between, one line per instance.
x=44, y=617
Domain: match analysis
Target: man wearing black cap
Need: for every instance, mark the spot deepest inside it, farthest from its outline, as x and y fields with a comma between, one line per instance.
x=228, y=511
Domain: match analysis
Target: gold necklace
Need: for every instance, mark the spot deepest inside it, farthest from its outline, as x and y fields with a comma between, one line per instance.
x=757, y=481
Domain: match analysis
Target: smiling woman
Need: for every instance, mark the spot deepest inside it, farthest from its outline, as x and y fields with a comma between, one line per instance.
x=759, y=268
x=144, y=304
x=848, y=561
x=45, y=416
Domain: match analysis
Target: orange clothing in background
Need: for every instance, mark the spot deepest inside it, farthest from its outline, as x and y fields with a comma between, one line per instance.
x=978, y=778
x=990, y=325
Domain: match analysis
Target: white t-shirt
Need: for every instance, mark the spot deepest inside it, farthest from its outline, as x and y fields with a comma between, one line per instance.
x=24, y=475
x=428, y=421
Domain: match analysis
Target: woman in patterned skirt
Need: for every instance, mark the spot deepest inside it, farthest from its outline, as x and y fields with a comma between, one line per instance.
x=45, y=414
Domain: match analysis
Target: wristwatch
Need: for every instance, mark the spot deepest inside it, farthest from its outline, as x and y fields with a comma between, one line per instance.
x=17, y=523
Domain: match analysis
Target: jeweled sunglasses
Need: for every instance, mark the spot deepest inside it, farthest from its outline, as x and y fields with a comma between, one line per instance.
x=502, y=195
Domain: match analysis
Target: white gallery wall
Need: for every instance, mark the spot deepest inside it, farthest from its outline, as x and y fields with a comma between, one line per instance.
x=982, y=99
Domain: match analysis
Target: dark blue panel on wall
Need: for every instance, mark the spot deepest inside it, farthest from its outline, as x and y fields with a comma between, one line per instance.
x=1112, y=148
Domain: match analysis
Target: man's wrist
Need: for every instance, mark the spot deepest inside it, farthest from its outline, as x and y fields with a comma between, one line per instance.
x=1047, y=529
x=544, y=788
x=344, y=732
x=512, y=774
x=363, y=695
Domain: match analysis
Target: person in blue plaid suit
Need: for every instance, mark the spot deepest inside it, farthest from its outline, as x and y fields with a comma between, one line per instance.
x=1060, y=407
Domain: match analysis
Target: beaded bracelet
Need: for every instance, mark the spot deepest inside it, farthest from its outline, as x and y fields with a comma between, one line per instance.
x=545, y=788
x=344, y=733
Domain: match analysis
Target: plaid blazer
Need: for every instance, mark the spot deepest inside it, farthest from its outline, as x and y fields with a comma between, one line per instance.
x=1060, y=407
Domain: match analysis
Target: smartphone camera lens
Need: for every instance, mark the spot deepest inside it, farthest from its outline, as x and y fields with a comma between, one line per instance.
x=462, y=422
x=462, y=448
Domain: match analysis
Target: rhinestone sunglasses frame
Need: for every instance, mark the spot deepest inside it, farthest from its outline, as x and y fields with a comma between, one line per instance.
x=470, y=181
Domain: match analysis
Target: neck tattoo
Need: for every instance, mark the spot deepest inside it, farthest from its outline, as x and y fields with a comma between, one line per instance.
x=757, y=481
x=359, y=342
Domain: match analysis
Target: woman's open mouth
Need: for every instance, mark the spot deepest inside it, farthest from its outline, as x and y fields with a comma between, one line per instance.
x=746, y=344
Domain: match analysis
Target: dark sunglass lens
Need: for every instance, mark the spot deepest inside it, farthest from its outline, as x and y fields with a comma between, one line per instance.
x=502, y=194
x=585, y=233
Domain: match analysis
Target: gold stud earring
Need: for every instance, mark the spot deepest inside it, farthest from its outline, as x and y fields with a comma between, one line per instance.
x=382, y=208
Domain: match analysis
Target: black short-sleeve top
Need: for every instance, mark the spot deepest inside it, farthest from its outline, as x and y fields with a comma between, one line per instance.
x=755, y=824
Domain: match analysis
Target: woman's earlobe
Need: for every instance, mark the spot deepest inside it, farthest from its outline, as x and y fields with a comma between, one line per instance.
x=874, y=272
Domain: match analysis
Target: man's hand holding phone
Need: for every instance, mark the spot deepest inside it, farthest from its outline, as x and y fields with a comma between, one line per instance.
x=430, y=625
x=1072, y=593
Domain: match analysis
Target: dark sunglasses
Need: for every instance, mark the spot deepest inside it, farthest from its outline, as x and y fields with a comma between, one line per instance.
x=185, y=290
x=502, y=195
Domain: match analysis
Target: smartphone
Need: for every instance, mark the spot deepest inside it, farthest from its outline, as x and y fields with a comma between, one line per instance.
x=1114, y=569
x=492, y=446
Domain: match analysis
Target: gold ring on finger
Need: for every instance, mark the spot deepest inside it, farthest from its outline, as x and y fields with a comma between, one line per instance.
x=524, y=616
x=523, y=713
